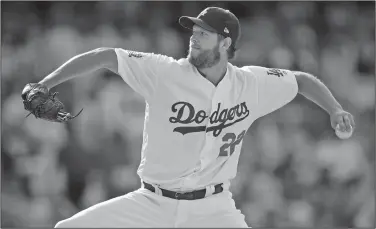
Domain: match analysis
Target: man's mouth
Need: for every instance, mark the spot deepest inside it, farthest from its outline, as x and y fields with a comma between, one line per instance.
x=194, y=47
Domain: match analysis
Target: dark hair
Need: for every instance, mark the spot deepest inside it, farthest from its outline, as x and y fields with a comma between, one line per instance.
x=231, y=50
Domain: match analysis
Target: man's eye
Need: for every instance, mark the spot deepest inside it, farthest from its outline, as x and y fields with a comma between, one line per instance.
x=200, y=33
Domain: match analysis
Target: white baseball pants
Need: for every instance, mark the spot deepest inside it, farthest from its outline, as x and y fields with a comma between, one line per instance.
x=143, y=208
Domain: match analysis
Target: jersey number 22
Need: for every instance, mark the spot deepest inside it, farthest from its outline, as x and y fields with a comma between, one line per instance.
x=232, y=141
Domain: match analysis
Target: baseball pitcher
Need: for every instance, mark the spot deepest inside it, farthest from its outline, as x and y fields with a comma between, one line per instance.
x=198, y=110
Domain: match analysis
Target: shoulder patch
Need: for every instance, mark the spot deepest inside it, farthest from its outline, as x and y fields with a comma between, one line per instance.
x=135, y=54
x=276, y=72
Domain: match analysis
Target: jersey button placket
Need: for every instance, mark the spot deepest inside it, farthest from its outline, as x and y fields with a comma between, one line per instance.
x=209, y=138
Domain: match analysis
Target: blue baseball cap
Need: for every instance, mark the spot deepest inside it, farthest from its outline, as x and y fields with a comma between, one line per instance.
x=215, y=19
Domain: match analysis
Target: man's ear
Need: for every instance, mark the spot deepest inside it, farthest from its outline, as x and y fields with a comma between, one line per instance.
x=227, y=43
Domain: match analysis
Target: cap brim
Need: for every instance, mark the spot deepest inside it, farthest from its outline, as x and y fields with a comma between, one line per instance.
x=189, y=22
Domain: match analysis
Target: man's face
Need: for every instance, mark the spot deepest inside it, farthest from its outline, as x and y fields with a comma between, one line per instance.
x=203, y=48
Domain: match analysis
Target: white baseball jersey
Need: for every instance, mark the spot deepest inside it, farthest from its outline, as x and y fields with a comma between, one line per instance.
x=193, y=130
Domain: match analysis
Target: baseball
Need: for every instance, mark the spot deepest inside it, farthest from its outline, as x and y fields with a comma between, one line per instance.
x=343, y=134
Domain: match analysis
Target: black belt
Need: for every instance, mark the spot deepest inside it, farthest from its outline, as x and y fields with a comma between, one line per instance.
x=194, y=195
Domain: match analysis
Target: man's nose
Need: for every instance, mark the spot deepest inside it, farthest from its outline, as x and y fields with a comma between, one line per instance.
x=193, y=40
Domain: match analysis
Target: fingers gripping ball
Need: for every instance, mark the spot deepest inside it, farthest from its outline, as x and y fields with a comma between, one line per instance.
x=343, y=134
x=40, y=102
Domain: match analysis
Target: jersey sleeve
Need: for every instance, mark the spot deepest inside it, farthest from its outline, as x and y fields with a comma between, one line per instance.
x=142, y=71
x=275, y=88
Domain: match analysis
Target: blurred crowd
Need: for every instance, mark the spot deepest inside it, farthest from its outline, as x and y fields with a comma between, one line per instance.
x=293, y=170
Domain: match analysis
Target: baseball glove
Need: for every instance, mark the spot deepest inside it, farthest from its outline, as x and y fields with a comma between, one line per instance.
x=40, y=102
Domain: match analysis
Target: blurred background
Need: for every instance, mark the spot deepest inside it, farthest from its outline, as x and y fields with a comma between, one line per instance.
x=293, y=171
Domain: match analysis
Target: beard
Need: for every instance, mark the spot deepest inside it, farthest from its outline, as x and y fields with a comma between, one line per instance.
x=206, y=58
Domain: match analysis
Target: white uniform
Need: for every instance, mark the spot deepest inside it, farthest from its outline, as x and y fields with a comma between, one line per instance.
x=192, y=139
